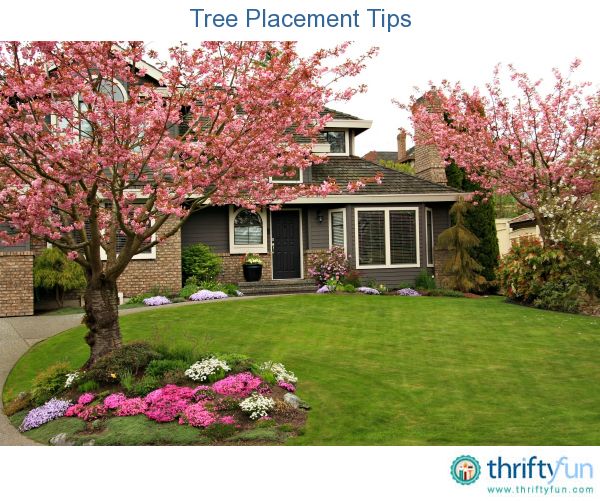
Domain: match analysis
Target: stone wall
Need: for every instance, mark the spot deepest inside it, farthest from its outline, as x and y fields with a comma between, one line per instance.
x=164, y=271
x=16, y=284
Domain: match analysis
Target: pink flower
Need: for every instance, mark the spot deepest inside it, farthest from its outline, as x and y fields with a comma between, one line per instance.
x=74, y=410
x=237, y=385
x=132, y=407
x=197, y=415
x=286, y=386
x=115, y=400
x=86, y=398
x=227, y=420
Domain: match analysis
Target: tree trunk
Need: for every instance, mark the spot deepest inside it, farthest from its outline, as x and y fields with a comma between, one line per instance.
x=101, y=318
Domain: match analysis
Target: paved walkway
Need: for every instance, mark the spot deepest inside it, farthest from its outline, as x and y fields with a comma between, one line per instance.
x=18, y=334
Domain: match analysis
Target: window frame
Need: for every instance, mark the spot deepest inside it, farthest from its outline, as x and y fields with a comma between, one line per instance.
x=428, y=233
x=330, y=227
x=387, y=239
x=289, y=180
x=244, y=249
x=346, y=143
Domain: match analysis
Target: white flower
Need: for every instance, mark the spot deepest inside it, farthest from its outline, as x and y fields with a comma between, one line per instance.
x=71, y=378
x=280, y=372
x=257, y=405
x=204, y=368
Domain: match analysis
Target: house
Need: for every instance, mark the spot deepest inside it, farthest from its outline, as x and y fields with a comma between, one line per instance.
x=401, y=155
x=388, y=230
x=511, y=230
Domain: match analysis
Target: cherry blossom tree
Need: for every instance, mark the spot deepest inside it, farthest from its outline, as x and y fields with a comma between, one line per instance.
x=531, y=145
x=93, y=150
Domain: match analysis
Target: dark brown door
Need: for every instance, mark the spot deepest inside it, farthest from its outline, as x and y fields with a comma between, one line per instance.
x=285, y=228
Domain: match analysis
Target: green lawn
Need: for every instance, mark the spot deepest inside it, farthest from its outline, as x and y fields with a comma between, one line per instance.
x=395, y=370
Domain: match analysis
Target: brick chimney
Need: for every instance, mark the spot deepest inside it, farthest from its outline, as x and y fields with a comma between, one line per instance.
x=428, y=163
x=401, y=140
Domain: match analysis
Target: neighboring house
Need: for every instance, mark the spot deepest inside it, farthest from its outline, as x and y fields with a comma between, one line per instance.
x=388, y=230
x=511, y=230
x=401, y=155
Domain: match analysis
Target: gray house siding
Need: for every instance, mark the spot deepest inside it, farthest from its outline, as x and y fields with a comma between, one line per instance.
x=210, y=226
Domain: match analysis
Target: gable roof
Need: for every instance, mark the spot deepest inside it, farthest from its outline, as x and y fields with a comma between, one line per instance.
x=394, y=182
x=338, y=115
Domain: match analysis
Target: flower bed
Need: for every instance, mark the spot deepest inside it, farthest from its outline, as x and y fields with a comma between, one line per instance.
x=227, y=401
x=206, y=295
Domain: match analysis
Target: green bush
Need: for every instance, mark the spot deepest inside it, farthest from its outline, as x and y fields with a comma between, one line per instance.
x=139, y=299
x=351, y=278
x=23, y=401
x=200, y=262
x=347, y=288
x=188, y=290
x=49, y=383
x=132, y=357
x=425, y=281
x=52, y=270
x=564, y=277
x=220, y=431
x=144, y=386
x=158, y=368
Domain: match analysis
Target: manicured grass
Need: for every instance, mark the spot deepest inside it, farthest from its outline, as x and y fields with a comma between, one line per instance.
x=392, y=370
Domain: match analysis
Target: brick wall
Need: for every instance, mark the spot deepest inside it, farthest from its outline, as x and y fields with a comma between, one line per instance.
x=16, y=284
x=164, y=271
x=232, y=268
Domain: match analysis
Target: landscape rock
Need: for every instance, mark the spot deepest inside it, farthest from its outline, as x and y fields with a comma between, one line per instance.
x=61, y=439
x=295, y=401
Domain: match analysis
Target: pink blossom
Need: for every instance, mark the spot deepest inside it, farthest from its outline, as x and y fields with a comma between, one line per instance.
x=86, y=398
x=237, y=385
x=115, y=400
x=286, y=386
x=197, y=415
x=132, y=407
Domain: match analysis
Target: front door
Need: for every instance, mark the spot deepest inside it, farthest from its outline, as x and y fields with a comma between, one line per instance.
x=285, y=232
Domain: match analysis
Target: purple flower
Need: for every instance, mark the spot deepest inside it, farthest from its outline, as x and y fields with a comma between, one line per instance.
x=156, y=301
x=407, y=292
x=323, y=290
x=368, y=290
x=52, y=409
x=205, y=295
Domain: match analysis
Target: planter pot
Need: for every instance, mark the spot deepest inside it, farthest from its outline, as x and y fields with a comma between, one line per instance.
x=252, y=272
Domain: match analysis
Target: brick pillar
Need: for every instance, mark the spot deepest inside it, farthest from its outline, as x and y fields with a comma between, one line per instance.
x=440, y=257
x=16, y=284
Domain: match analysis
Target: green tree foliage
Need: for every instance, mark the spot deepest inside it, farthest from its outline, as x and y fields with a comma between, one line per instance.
x=402, y=167
x=480, y=219
x=461, y=269
x=52, y=270
x=200, y=262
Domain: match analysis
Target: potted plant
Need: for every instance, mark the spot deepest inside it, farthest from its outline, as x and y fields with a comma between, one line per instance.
x=252, y=266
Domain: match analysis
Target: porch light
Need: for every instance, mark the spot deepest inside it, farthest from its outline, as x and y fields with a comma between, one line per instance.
x=319, y=216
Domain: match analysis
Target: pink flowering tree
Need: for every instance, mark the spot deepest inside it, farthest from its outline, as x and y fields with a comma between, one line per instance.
x=98, y=146
x=533, y=145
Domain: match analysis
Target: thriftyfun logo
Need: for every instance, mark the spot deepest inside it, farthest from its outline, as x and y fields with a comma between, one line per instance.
x=537, y=468
x=465, y=470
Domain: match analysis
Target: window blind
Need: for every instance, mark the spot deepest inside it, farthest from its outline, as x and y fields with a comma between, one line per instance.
x=371, y=237
x=403, y=237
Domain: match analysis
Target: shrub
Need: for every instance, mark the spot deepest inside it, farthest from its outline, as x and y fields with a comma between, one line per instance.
x=237, y=385
x=188, y=289
x=23, y=401
x=158, y=368
x=220, y=431
x=156, y=301
x=425, y=281
x=326, y=265
x=564, y=277
x=52, y=270
x=200, y=262
x=347, y=288
x=130, y=357
x=145, y=385
x=139, y=299
x=352, y=277
x=279, y=371
x=49, y=382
